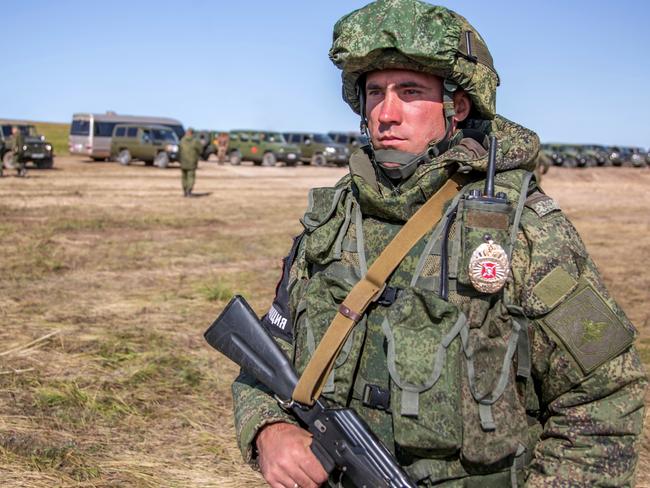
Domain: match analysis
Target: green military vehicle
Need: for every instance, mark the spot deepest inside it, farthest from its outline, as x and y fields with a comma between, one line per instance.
x=206, y=138
x=35, y=148
x=554, y=153
x=598, y=155
x=352, y=140
x=263, y=148
x=153, y=144
x=319, y=149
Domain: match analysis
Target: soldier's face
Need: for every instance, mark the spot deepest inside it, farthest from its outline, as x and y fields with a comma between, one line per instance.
x=404, y=109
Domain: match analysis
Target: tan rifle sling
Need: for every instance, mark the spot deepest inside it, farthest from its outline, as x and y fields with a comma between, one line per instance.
x=368, y=289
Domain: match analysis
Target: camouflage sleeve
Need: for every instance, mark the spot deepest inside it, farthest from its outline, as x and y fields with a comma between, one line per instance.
x=254, y=406
x=588, y=376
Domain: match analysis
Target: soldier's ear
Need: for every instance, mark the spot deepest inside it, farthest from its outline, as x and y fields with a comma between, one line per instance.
x=462, y=105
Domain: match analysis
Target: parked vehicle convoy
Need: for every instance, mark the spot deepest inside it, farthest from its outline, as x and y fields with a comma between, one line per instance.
x=596, y=153
x=319, y=149
x=353, y=140
x=36, y=149
x=263, y=148
x=90, y=134
x=153, y=144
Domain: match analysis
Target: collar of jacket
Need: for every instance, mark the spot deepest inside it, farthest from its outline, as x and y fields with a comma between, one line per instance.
x=518, y=148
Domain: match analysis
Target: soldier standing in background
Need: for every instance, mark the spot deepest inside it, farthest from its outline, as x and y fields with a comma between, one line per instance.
x=190, y=151
x=492, y=355
x=222, y=146
x=18, y=143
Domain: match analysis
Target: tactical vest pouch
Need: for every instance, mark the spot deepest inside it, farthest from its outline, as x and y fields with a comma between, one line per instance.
x=487, y=350
x=315, y=312
x=325, y=222
x=424, y=366
x=479, y=220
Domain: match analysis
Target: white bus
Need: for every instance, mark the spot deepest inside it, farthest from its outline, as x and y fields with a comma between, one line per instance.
x=90, y=134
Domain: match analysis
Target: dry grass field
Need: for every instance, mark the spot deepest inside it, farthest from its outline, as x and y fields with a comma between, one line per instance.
x=108, y=278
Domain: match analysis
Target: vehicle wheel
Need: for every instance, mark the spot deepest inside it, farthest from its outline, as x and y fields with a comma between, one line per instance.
x=45, y=163
x=318, y=160
x=8, y=159
x=235, y=158
x=162, y=160
x=124, y=157
x=268, y=159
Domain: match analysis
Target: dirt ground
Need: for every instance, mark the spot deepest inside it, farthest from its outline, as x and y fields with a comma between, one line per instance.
x=109, y=277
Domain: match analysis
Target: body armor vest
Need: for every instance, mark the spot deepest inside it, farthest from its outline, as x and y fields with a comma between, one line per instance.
x=437, y=380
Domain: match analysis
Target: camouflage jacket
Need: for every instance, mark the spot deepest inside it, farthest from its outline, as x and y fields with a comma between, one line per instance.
x=535, y=385
x=190, y=151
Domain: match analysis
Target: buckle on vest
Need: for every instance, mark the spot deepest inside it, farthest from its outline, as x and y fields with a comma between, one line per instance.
x=388, y=296
x=376, y=397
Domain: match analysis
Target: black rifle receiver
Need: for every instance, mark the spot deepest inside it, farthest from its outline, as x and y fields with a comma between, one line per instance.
x=341, y=439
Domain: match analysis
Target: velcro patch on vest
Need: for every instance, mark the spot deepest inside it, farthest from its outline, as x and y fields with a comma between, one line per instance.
x=589, y=329
x=554, y=287
x=493, y=220
x=541, y=204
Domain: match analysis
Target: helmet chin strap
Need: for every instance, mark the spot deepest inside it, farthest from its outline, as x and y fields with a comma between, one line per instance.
x=405, y=163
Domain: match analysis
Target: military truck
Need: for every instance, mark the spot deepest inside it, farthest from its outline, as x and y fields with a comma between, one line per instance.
x=352, y=140
x=153, y=144
x=319, y=149
x=36, y=149
x=263, y=148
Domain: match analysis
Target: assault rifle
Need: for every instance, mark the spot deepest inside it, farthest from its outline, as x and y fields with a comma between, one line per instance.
x=341, y=439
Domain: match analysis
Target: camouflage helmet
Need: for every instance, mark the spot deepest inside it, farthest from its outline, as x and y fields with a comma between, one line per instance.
x=413, y=35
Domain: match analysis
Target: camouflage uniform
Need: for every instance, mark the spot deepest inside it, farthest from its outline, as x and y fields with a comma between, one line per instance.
x=190, y=151
x=535, y=385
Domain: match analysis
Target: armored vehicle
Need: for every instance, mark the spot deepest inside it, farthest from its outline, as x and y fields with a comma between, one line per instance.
x=319, y=149
x=154, y=144
x=35, y=148
x=263, y=148
x=353, y=140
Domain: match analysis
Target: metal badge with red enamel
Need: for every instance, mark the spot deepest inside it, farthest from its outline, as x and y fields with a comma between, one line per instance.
x=489, y=267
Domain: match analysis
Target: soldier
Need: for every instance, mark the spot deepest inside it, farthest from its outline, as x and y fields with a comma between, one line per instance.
x=492, y=355
x=190, y=151
x=222, y=146
x=18, y=143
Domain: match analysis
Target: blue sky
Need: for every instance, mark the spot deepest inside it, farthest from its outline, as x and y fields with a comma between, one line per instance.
x=574, y=71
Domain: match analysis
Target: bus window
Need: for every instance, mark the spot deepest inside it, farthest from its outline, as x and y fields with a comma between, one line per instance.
x=104, y=129
x=80, y=128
